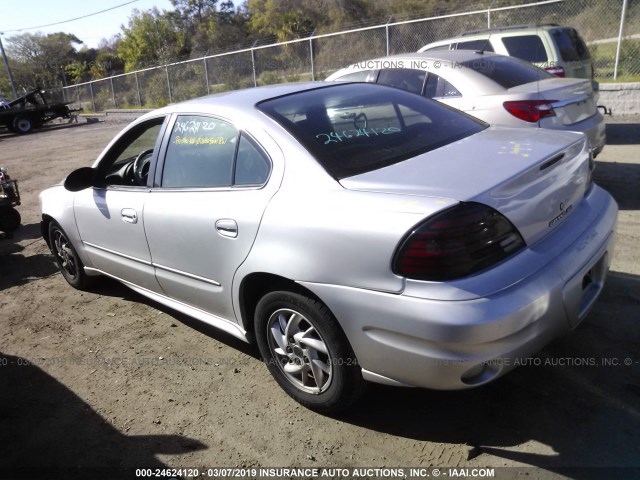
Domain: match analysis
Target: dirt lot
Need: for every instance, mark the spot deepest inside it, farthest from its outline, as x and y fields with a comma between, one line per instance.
x=110, y=379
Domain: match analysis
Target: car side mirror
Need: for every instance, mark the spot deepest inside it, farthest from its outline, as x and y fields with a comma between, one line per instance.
x=80, y=179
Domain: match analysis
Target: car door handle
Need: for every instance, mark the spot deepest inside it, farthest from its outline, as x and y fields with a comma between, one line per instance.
x=129, y=215
x=227, y=228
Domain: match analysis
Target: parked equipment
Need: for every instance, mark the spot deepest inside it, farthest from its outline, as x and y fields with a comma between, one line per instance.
x=31, y=111
x=9, y=198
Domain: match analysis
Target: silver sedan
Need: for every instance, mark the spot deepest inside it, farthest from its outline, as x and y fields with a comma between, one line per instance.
x=355, y=232
x=498, y=89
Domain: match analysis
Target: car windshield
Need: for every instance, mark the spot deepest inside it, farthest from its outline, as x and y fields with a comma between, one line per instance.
x=507, y=72
x=356, y=128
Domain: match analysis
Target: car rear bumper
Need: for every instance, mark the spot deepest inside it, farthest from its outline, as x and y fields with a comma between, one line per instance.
x=452, y=345
x=593, y=127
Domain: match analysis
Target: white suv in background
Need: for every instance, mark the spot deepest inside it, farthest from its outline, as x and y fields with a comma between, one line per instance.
x=558, y=49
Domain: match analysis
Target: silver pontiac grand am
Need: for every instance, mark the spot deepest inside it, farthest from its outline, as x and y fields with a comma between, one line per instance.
x=356, y=232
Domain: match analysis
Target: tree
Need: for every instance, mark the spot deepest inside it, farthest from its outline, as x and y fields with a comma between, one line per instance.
x=283, y=19
x=151, y=37
x=107, y=62
x=41, y=60
x=210, y=26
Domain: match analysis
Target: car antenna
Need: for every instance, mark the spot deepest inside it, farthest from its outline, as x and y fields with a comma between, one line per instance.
x=486, y=42
x=485, y=45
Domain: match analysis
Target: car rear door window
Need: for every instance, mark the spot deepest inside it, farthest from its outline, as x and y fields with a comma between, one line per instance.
x=446, y=46
x=252, y=164
x=200, y=153
x=438, y=87
x=483, y=45
x=526, y=47
x=407, y=79
x=361, y=76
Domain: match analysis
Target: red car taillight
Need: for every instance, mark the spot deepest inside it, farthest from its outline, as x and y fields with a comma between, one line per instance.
x=530, y=110
x=557, y=71
x=458, y=242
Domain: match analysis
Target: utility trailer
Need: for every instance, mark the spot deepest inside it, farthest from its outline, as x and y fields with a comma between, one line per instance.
x=31, y=111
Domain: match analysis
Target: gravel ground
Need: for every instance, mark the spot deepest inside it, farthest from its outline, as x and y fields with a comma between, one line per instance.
x=109, y=379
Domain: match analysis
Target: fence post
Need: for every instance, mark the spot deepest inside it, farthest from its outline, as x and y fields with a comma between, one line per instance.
x=489, y=13
x=386, y=28
x=78, y=95
x=93, y=101
x=313, y=70
x=624, y=12
x=166, y=69
x=253, y=64
x=206, y=75
x=138, y=90
x=113, y=93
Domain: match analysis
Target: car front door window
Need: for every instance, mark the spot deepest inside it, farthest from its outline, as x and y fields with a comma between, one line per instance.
x=129, y=160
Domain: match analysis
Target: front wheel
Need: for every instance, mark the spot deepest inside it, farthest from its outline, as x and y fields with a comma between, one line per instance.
x=306, y=352
x=67, y=258
x=22, y=124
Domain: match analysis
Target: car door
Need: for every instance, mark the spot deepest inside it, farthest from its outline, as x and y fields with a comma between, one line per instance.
x=110, y=216
x=203, y=215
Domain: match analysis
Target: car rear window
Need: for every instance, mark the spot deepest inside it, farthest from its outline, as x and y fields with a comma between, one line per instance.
x=572, y=47
x=356, y=128
x=507, y=72
x=526, y=47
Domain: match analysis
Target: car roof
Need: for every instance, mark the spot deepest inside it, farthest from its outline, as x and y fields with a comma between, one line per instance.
x=512, y=28
x=244, y=99
x=442, y=55
x=449, y=56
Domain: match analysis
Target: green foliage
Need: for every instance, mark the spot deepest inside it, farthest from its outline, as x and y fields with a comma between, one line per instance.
x=151, y=38
x=604, y=56
x=41, y=60
x=629, y=57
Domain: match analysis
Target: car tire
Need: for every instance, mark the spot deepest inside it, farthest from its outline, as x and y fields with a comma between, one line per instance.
x=315, y=365
x=67, y=258
x=22, y=125
x=9, y=219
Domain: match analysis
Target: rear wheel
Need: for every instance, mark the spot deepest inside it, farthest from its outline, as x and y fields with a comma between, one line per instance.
x=306, y=352
x=67, y=258
x=9, y=219
x=22, y=124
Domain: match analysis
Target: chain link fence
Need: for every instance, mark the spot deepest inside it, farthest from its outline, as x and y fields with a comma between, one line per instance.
x=314, y=58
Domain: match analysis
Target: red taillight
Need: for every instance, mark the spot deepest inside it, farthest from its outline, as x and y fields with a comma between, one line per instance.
x=557, y=71
x=458, y=242
x=530, y=110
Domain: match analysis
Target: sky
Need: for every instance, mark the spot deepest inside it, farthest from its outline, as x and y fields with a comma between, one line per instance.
x=24, y=14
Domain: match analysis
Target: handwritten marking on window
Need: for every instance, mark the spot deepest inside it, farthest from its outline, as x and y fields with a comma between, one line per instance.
x=334, y=137
x=193, y=126
x=200, y=141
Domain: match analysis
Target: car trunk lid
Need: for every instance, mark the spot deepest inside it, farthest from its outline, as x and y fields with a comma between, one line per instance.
x=572, y=100
x=535, y=178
